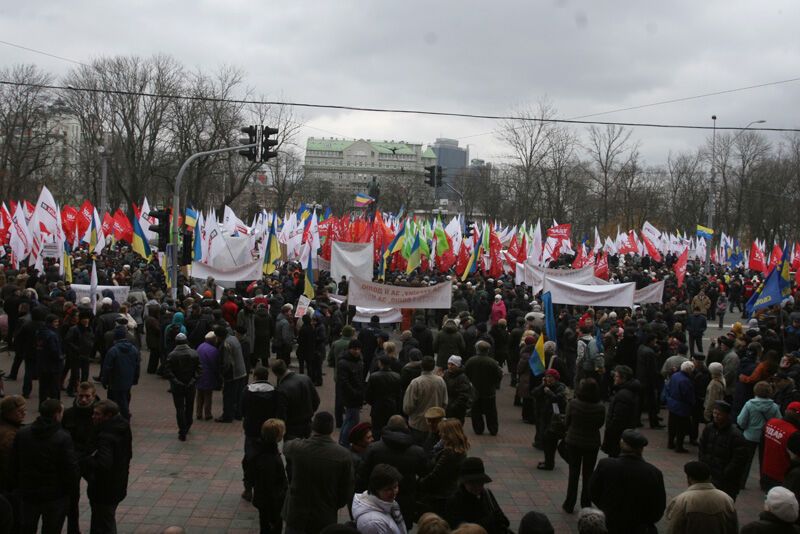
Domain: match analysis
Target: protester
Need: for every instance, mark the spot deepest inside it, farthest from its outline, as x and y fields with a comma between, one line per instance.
x=350, y=388
x=442, y=481
x=484, y=374
x=209, y=380
x=777, y=433
x=701, y=508
x=551, y=403
x=459, y=389
x=473, y=502
x=779, y=515
x=384, y=394
x=121, y=369
x=234, y=375
x=265, y=469
x=426, y=391
x=623, y=410
x=376, y=511
x=584, y=418
x=182, y=369
x=753, y=418
x=78, y=421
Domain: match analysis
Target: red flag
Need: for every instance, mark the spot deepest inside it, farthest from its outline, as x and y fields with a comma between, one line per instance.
x=796, y=257
x=757, y=262
x=494, y=254
x=463, y=259
x=108, y=224
x=522, y=254
x=680, y=266
x=513, y=247
x=69, y=222
x=651, y=248
x=774, y=258
x=123, y=229
x=580, y=258
x=448, y=259
x=560, y=231
x=601, y=267
x=84, y=219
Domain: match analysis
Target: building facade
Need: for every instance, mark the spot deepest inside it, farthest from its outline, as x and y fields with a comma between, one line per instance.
x=453, y=159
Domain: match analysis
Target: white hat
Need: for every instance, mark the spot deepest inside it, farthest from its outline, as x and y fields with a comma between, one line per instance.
x=612, y=315
x=211, y=335
x=455, y=360
x=85, y=300
x=497, y=297
x=106, y=301
x=782, y=503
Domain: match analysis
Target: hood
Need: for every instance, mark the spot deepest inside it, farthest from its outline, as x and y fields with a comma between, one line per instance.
x=396, y=439
x=364, y=503
x=177, y=318
x=449, y=328
x=44, y=427
x=587, y=338
x=761, y=405
x=260, y=387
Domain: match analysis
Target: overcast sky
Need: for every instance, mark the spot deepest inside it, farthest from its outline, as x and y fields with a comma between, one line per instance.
x=461, y=56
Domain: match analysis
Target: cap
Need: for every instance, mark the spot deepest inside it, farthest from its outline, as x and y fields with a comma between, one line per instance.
x=723, y=406
x=455, y=360
x=210, y=335
x=699, y=357
x=434, y=412
x=472, y=471
x=106, y=301
x=634, y=439
x=180, y=338
x=782, y=503
x=794, y=406
x=552, y=372
x=359, y=432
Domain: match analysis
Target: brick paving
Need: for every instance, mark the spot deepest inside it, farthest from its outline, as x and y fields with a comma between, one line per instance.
x=197, y=483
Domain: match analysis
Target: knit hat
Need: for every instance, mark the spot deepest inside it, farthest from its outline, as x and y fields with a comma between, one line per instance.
x=358, y=432
x=535, y=523
x=591, y=520
x=106, y=301
x=455, y=360
x=782, y=503
x=552, y=372
x=180, y=338
x=530, y=340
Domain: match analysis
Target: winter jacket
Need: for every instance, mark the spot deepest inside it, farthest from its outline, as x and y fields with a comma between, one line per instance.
x=680, y=394
x=485, y=375
x=524, y=373
x=322, y=482
x=725, y=452
x=498, y=312
x=776, y=458
x=233, y=366
x=546, y=397
x=442, y=480
x=465, y=507
x=173, y=329
x=42, y=464
x=384, y=393
x=397, y=448
x=261, y=401
x=459, y=393
x=623, y=413
x=284, y=337
x=696, y=324
x=500, y=337
x=584, y=420
x=425, y=391
x=754, y=416
x=714, y=391
x=631, y=493
x=302, y=400
x=375, y=516
x=49, y=356
x=77, y=421
x=647, y=366
x=270, y=484
x=424, y=338
x=8, y=431
x=79, y=342
x=350, y=386
x=702, y=508
x=209, y=379
x=182, y=367
x=108, y=464
x=121, y=366
x=768, y=523
x=448, y=342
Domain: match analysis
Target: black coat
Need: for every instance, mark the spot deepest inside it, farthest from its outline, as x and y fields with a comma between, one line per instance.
x=42, y=464
x=459, y=393
x=77, y=421
x=631, y=493
x=465, y=507
x=384, y=392
x=107, y=466
x=424, y=338
x=726, y=453
x=182, y=367
x=767, y=523
x=623, y=412
x=584, y=420
x=442, y=480
x=270, y=483
x=647, y=368
x=350, y=381
x=485, y=375
x=302, y=400
x=397, y=448
x=261, y=401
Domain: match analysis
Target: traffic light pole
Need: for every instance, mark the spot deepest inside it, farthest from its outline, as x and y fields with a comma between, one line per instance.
x=463, y=207
x=176, y=200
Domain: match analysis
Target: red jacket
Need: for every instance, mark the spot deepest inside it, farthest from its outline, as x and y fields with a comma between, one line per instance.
x=776, y=459
x=229, y=312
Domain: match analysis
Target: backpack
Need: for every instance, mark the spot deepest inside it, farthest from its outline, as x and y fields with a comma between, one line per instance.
x=587, y=354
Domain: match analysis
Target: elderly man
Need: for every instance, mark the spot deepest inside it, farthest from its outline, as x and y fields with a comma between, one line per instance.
x=702, y=507
x=425, y=391
x=485, y=374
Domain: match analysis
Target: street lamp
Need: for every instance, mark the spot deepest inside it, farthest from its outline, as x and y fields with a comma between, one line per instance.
x=712, y=185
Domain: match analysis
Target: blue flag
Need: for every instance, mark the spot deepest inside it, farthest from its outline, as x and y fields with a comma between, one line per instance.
x=777, y=287
x=549, y=317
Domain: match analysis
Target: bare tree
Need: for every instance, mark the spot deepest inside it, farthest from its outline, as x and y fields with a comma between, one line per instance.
x=610, y=152
x=25, y=135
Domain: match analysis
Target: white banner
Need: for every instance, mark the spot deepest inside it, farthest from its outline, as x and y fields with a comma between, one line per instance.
x=227, y=277
x=613, y=295
x=85, y=290
x=534, y=276
x=372, y=295
x=302, y=306
x=386, y=315
x=351, y=260
x=654, y=293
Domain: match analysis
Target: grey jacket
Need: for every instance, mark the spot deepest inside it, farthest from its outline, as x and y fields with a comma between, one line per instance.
x=233, y=366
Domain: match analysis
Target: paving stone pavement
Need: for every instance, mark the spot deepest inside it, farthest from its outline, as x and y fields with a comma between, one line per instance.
x=197, y=483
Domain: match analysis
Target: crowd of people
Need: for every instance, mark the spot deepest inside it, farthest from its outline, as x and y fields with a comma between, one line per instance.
x=604, y=374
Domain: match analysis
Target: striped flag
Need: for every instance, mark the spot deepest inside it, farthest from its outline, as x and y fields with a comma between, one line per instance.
x=363, y=200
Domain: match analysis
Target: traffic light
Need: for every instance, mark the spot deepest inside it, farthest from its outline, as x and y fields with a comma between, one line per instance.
x=430, y=175
x=253, y=138
x=439, y=175
x=267, y=144
x=161, y=228
x=469, y=228
x=186, y=249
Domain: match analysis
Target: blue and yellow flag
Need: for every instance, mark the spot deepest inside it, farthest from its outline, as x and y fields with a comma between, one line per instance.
x=67, y=266
x=472, y=264
x=197, y=254
x=395, y=246
x=363, y=200
x=308, y=290
x=272, y=252
x=191, y=217
x=414, y=256
x=777, y=287
x=93, y=236
x=536, y=360
x=140, y=244
x=705, y=232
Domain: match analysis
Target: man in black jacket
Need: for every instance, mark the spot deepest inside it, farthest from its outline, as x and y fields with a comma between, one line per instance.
x=78, y=422
x=485, y=375
x=384, y=393
x=49, y=359
x=724, y=450
x=25, y=345
x=302, y=400
x=42, y=470
x=182, y=369
x=623, y=410
x=647, y=372
x=108, y=465
x=350, y=388
x=628, y=489
x=260, y=401
x=397, y=448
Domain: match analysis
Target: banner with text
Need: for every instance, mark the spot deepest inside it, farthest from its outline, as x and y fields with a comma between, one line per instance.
x=372, y=295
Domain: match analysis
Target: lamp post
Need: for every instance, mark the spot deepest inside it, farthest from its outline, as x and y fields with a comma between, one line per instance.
x=712, y=185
